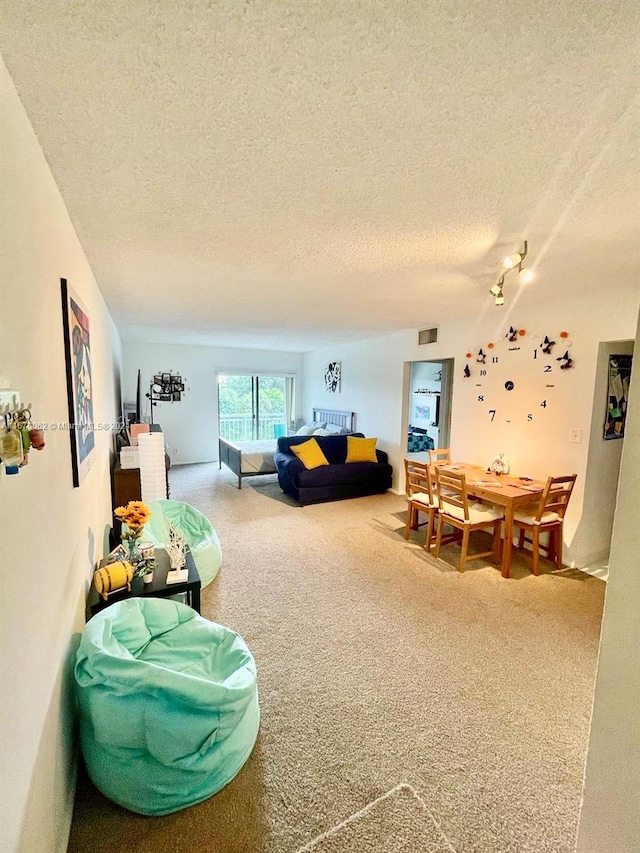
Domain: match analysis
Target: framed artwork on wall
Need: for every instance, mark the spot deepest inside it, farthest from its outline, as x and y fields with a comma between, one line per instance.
x=617, y=395
x=333, y=377
x=77, y=351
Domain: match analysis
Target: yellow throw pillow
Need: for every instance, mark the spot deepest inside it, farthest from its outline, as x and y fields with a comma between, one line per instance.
x=310, y=454
x=361, y=449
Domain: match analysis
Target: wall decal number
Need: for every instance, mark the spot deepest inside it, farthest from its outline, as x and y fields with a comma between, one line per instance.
x=483, y=373
x=481, y=398
x=494, y=360
x=492, y=412
x=529, y=417
x=543, y=404
x=547, y=368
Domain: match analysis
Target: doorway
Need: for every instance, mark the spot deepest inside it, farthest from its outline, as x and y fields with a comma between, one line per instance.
x=429, y=393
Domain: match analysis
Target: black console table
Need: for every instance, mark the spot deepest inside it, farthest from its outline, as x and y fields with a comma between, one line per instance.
x=158, y=587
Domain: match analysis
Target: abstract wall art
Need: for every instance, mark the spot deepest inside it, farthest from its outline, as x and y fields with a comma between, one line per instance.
x=77, y=345
x=333, y=377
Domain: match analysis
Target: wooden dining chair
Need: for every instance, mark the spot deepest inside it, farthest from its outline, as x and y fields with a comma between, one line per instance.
x=454, y=509
x=439, y=456
x=545, y=516
x=420, y=498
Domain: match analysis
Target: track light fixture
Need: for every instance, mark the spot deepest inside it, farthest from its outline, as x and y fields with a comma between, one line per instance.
x=510, y=263
x=496, y=290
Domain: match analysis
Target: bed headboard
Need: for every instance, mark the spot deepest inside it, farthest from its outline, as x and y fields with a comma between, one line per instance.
x=339, y=418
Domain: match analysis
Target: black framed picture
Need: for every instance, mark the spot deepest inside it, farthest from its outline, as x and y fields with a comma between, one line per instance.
x=77, y=346
x=333, y=377
x=617, y=396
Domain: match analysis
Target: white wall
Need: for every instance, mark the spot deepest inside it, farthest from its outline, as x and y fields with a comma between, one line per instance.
x=610, y=817
x=51, y=533
x=191, y=426
x=372, y=386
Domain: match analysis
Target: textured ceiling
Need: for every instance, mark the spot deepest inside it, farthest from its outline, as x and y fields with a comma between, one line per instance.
x=288, y=174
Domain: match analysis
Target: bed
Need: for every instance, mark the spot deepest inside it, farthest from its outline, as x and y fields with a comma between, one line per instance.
x=252, y=458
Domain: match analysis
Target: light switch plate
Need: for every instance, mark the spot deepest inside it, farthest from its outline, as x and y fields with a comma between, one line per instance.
x=575, y=436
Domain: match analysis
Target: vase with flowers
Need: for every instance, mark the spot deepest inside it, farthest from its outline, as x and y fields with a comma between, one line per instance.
x=133, y=516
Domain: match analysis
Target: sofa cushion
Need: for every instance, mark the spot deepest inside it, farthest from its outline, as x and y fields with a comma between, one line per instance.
x=334, y=447
x=310, y=454
x=361, y=449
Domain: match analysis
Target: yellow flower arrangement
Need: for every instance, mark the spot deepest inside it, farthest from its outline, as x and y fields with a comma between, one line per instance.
x=135, y=515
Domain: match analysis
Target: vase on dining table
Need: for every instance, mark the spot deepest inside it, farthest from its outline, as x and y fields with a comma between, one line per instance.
x=500, y=465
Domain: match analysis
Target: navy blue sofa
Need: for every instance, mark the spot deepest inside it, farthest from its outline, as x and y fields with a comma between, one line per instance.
x=334, y=481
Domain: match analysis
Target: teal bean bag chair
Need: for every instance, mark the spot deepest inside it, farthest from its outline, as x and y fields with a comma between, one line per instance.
x=168, y=704
x=201, y=537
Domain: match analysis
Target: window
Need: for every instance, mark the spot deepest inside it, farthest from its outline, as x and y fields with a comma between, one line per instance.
x=254, y=406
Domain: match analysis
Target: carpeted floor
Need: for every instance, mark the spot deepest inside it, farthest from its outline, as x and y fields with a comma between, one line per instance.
x=405, y=706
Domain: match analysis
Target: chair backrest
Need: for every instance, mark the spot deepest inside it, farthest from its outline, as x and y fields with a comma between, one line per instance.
x=451, y=488
x=417, y=478
x=555, y=497
x=439, y=456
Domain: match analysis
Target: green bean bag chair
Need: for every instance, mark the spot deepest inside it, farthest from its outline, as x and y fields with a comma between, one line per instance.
x=168, y=704
x=201, y=537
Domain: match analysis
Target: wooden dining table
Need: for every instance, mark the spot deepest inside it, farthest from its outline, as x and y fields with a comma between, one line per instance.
x=502, y=490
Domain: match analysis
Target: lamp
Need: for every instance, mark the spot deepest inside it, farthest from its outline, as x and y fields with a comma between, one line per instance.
x=510, y=263
x=516, y=259
x=496, y=290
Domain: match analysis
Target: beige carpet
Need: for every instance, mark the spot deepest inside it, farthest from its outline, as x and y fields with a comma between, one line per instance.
x=405, y=707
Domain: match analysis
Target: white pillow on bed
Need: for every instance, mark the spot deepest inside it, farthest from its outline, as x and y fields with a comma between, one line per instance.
x=334, y=429
x=305, y=429
x=323, y=432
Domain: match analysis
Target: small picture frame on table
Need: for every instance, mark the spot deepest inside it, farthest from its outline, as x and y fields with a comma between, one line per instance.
x=118, y=553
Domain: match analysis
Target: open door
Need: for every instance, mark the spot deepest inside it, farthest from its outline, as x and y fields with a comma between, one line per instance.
x=429, y=387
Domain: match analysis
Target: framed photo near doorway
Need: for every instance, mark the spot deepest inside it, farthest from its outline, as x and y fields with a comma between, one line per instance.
x=77, y=351
x=617, y=395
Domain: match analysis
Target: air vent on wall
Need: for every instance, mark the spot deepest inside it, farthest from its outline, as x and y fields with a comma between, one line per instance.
x=428, y=336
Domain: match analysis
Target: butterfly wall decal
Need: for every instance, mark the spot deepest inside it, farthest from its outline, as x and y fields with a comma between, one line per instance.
x=547, y=345
x=567, y=362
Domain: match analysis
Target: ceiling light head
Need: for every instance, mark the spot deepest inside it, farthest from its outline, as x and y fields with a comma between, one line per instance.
x=525, y=276
x=496, y=290
x=514, y=260
x=500, y=300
